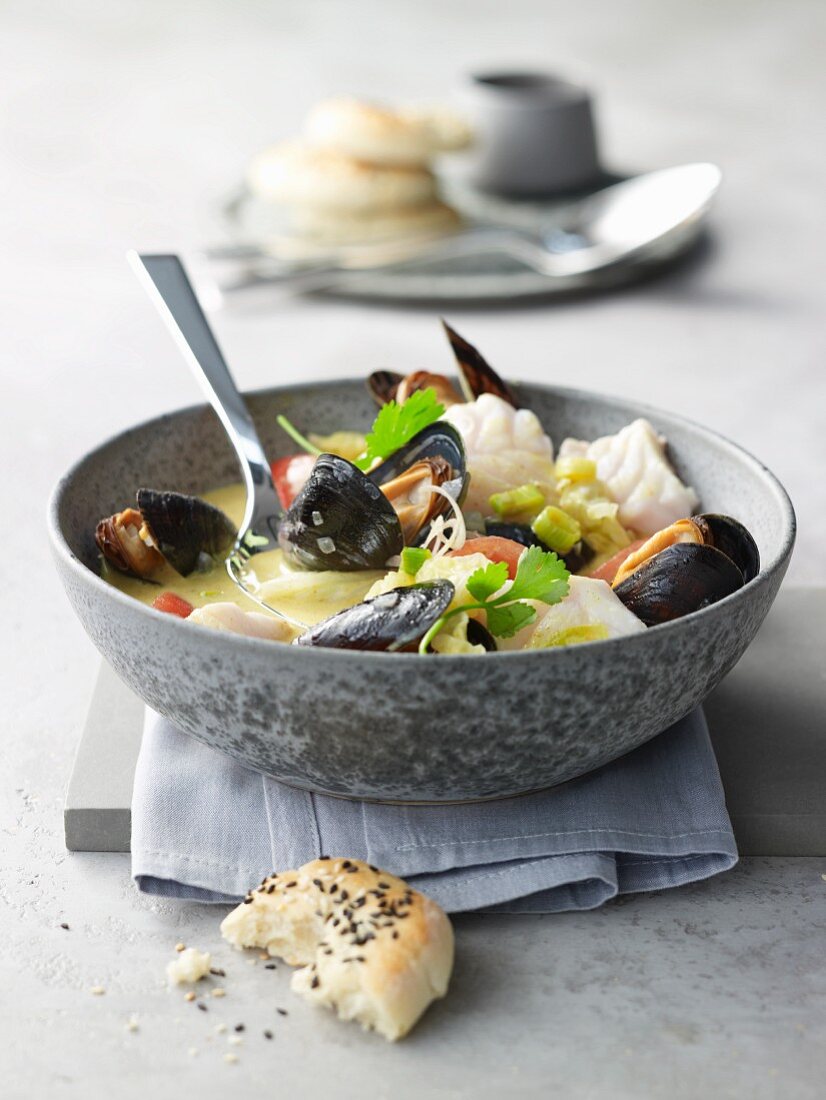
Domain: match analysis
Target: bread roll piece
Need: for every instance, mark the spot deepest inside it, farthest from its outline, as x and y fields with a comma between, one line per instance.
x=378, y=134
x=299, y=175
x=325, y=227
x=368, y=945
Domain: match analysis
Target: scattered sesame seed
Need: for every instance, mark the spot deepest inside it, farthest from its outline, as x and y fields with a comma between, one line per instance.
x=180, y=947
x=375, y=870
x=132, y=1024
x=315, y=983
x=384, y=885
x=97, y=990
x=234, y=1040
x=221, y=1028
x=192, y=1052
x=395, y=935
x=230, y=1057
x=268, y=1034
x=65, y=926
x=239, y=1027
x=190, y=996
x=282, y=1012
x=217, y=972
x=270, y=966
x=264, y=955
x=202, y=1006
x=219, y=992
x=247, y=901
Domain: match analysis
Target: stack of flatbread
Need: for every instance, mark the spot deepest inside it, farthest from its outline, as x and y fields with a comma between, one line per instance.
x=361, y=173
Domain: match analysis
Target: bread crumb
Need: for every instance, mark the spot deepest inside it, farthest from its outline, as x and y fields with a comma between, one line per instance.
x=97, y=990
x=190, y=996
x=190, y=966
x=180, y=946
x=230, y=1057
x=234, y=1040
x=219, y=993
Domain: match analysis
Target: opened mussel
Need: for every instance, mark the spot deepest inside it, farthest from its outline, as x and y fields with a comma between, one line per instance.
x=166, y=527
x=393, y=621
x=687, y=566
x=386, y=385
x=476, y=377
x=346, y=520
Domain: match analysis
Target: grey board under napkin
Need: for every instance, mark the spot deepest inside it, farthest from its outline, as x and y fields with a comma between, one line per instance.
x=206, y=829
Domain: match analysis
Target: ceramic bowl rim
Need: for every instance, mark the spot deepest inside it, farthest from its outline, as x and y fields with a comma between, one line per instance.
x=262, y=646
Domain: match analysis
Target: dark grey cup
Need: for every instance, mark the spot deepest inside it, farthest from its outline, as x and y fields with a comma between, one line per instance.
x=535, y=134
x=399, y=726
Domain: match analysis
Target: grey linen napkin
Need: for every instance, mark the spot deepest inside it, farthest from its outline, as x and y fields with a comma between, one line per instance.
x=206, y=829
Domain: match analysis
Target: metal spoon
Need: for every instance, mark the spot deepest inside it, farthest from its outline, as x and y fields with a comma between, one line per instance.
x=619, y=224
x=169, y=287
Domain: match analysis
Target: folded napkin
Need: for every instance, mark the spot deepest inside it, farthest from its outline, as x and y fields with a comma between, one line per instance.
x=206, y=829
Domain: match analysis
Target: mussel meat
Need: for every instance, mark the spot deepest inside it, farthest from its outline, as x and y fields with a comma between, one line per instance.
x=119, y=540
x=166, y=527
x=340, y=520
x=393, y=621
x=184, y=527
x=344, y=519
x=683, y=577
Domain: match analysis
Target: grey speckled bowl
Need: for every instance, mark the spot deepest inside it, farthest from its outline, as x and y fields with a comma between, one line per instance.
x=396, y=726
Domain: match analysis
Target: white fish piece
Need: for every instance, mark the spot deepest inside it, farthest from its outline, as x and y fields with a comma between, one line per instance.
x=634, y=466
x=506, y=447
x=590, y=612
x=253, y=624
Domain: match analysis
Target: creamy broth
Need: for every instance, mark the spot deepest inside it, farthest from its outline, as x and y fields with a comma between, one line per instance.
x=305, y=597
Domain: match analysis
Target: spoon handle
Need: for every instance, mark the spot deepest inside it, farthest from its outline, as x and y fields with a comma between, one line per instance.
x=167, y=283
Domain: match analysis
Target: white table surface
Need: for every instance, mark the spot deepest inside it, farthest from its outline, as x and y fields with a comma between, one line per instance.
x=122, y=125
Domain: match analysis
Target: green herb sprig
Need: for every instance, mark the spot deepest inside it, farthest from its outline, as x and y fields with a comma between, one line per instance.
x=396, y=425
x=540, y=576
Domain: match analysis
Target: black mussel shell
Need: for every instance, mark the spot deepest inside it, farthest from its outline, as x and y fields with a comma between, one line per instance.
x=576, y=558
x=340, y=520
x=475, y=374
x=383, y=384
x=392, y=621
x=478, y=634
x=684, y=577
x=734, y=540
x=184, y=527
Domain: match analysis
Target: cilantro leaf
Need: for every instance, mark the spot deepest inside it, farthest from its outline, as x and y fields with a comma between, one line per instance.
x=485, y=581
x=396, y=425
x=506, y=620
x=539, y=576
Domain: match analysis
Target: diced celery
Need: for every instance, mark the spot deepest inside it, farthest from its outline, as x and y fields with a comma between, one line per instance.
x=413, y=558
x=576, y=468
x=526, y=499
x=557, y=529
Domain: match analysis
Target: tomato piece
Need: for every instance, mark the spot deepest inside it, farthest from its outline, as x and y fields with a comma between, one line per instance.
x=495, y=548
x=289, y=474
x=173, y=605
x=608, y=570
